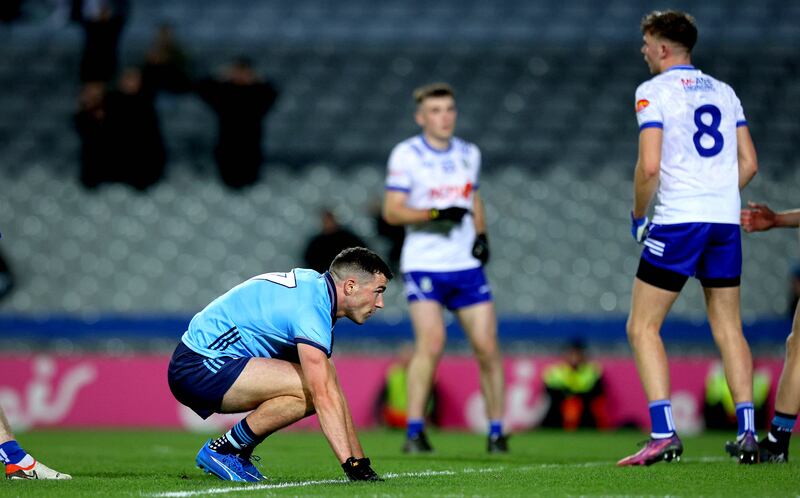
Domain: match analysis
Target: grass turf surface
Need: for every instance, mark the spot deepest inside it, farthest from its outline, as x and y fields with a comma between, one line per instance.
x=541, y=463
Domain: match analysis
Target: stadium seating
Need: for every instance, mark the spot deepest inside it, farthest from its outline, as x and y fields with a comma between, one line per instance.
x=553, y=118
x=560, y=239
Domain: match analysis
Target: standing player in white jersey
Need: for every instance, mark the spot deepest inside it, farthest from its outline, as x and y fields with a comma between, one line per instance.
x=432, y=189
x=695, y=150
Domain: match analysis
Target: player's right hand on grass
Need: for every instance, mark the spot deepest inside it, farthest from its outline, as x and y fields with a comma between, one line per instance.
x=640, y=228
x=453, y=214
x=358, y=469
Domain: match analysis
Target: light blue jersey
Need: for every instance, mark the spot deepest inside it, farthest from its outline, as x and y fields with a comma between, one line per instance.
x=267, y=316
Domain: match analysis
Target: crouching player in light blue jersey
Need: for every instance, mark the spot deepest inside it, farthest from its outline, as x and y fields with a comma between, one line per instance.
x=432, y=189
x=265, y=346
x=695, y=150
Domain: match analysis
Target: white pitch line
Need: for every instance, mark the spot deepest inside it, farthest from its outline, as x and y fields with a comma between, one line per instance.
x=254, y=487
x=394, y=475
x=298, y=484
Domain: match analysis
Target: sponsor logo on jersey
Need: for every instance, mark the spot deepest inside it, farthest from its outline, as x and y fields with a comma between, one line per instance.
x=641, y=104
x=450, y=192
x=696, y=84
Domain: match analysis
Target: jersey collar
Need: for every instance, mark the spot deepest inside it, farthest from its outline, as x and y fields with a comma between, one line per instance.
x=433, y=149
x=682, y=66
x=332, y=295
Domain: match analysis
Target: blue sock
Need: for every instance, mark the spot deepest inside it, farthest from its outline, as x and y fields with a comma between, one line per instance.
x=11, y=452
x=495, y=428
x=415, y=426
x=661, y=419
x=745, y=415
x=784, y=422
x=241, y=436
x=239, y=440
x=780, y=431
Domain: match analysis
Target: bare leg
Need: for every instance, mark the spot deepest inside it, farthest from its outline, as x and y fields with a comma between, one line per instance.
x=28, y=467
x=787, y=399
x=275, y=390
x=726, y=325
x=480, y=324
x=5, y=428
x=429, y=333
x=649, y=307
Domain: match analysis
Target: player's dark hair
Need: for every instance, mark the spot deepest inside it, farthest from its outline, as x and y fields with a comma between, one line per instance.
x=433, y=90
x=673, y=25
x=359, y=259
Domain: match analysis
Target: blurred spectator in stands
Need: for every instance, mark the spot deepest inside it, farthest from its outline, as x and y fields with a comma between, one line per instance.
x=241, y=99
x=794, y=290
x=575, y=388
x=10, y=10
x=92, y=126
x=102, y=22
x=719, y=410
x=166, y=65
x=394, y=234
x=332, y=239
x=391, y=406
x=138, y=149
x=6, y=277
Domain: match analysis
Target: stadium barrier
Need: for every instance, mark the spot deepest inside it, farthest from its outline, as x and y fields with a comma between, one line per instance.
x=108, y=391
x=597, y=330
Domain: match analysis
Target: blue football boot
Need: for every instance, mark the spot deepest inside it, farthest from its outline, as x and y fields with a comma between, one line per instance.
x=249, y=467
x=226, y=467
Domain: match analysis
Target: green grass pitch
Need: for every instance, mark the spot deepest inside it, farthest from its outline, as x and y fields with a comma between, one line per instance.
x=541, y=463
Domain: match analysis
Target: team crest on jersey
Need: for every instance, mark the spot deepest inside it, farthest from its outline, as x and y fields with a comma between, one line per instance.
x=641, y=104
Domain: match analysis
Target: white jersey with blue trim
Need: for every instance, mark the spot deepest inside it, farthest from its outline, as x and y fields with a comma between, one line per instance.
x=436, y=179
x=699, y=179
x=267, y=316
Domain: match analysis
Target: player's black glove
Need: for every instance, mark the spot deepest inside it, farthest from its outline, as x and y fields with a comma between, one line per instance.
x=453, y=214
x=480, y=249
x=358, y=469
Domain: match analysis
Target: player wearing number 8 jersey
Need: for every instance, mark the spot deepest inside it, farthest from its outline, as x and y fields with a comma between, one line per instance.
x=265, y=346
x=695, y=151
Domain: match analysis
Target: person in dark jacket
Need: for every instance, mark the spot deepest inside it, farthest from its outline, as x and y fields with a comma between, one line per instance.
x=241, y=99
x=139, y=155
x=332, y=239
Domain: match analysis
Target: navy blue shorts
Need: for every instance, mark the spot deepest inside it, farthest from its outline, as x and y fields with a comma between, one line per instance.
x=200, y=382
x=453, y=289
x=712, y=252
